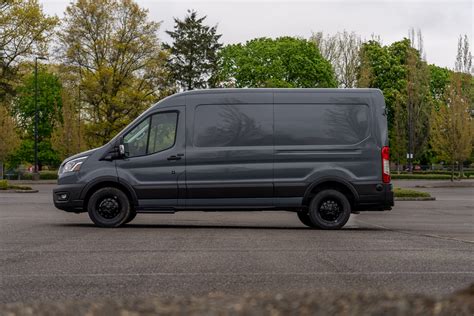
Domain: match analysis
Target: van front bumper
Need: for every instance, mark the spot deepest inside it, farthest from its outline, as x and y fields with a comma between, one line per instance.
x=66, y=197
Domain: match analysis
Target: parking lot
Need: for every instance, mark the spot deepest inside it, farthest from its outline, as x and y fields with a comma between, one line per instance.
x=49, y=255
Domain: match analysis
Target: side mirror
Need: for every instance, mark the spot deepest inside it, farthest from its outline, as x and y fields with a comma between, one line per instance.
x=121, y=150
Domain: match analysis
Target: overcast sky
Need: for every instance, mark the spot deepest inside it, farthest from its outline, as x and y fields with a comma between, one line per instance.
x=441, y=22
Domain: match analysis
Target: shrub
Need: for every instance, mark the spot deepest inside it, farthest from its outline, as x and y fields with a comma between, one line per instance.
x=408, y=176
x=3, y=184
x=399, y=192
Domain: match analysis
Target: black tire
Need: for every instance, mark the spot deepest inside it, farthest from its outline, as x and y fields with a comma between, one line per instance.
x=132, y=216
x=303, y=216
x=109, y=207
x=329, y=209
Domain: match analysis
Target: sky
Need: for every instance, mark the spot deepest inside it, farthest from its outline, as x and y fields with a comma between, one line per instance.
x=441, y=22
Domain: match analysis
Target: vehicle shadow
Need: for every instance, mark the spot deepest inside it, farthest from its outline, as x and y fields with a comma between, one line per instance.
x=224, y=226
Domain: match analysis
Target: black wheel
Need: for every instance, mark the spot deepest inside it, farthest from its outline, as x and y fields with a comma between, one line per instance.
x=109, y=207
x=132, y=216
x=329, y=209
x=303, y=216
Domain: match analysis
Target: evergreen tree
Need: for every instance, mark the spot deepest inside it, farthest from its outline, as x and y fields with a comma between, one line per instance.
x=193, y=58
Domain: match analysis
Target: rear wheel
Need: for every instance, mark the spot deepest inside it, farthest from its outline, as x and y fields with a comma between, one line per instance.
x=303, y=216
x=329, y=209
x=109, y=207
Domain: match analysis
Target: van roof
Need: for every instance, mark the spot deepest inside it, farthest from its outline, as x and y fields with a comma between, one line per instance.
x=177, y=98
x=229, y=90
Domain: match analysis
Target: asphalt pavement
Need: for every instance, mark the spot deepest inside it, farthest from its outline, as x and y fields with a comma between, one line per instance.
x=48, y=255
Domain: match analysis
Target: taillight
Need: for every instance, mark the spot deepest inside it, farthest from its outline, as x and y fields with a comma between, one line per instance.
x=386, y=164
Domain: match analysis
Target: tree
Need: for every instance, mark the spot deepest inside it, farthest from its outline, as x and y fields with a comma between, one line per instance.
x=9, y=139
x=281, y=62
x=24, y=30
x=403, y=77
x=115, y=51
x=193, y=59
x=68, y=137
x=452, y=126
x=49, y=104
x=342, y=51
x=398, y=144
x=439, y=81
x=419, y=105
x=464, y=57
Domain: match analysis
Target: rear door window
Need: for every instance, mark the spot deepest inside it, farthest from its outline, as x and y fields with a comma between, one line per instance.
x=321, y=124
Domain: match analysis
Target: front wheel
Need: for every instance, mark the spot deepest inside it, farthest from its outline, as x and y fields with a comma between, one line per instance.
x=132, y=216
x=303, y=216
x=329, y=209
x=109, y=207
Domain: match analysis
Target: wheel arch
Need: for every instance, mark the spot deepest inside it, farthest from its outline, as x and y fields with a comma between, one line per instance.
x=334, y=183
x=109, y=182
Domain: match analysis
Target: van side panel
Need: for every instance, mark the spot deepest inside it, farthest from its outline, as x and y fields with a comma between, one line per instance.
x=229, y=151
x=347, y=158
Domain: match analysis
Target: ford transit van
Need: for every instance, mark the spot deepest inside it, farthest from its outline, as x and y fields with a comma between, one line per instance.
x=321, y=153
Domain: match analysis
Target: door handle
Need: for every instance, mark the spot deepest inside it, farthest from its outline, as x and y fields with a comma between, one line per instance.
x=174, y=157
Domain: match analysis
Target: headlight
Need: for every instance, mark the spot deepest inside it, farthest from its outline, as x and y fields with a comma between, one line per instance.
x=72, y=165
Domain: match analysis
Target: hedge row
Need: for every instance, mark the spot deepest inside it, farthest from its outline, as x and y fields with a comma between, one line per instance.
x=399, y=192
x=422, y=176
x=467, y=173
x=44, y=175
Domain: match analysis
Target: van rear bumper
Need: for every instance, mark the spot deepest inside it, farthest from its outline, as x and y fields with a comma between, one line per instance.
x=66, y=197
x=374, y=197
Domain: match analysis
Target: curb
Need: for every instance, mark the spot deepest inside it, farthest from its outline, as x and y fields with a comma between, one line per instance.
x=431, y=198
x=467, y=185
x=26, y=191
x=31, y=182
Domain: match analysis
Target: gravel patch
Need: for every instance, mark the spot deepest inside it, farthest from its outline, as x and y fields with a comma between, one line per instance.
x=320, y=302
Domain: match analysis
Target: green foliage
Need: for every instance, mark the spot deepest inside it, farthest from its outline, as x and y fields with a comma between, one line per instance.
x=410, y=176
x=193, y=53
x=439, y=81
x=5, y=186
x=9, y=139
x=399, y=192
x=114, y=50
x=404, y=78
x=25, y=154
x=285, y=62
x=452, y=128
x=24, y=30
x=49, y=104
x=43, y=175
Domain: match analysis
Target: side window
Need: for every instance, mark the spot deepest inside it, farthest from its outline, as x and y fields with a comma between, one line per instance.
x=136, y=140
x=233, y=125
x=321, y=124
x=162, y=131
x=154, y=134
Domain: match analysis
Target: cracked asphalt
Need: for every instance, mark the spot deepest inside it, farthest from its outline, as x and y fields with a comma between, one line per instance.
x=48, y=255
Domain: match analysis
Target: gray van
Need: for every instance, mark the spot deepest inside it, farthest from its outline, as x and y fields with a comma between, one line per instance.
x=321, y=153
